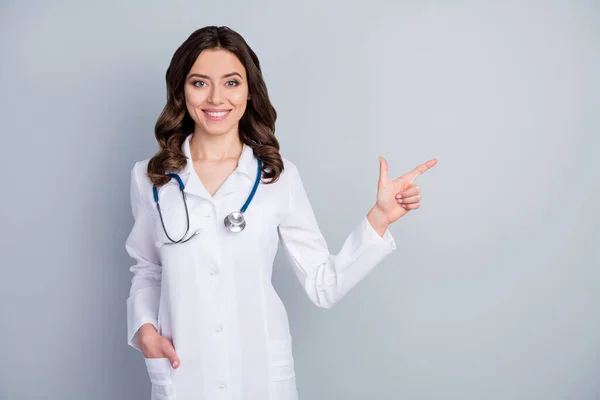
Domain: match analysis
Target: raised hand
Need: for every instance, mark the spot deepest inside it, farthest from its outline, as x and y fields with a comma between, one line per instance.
x=395, y=198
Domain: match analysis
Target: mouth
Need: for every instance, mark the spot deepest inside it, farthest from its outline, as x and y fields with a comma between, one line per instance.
x=216, y=115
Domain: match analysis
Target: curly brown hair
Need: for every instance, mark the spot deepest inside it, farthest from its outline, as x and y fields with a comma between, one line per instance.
x=256, y=127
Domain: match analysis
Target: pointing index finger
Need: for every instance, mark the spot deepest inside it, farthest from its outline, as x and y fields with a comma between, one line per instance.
x=415, y=173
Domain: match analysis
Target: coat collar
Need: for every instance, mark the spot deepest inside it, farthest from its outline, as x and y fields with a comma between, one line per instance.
x=247, y=169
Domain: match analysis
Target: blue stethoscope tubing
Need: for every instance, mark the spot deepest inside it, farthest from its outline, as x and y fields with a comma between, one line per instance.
x=234, y=222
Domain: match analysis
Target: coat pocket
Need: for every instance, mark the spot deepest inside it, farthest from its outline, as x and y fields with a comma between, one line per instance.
x=160, y=373
x=281, y=367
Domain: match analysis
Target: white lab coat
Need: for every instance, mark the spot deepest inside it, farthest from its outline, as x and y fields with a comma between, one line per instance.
x=213, y=296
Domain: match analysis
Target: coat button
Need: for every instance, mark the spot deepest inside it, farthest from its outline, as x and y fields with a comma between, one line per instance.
x=214, y=272
x=221, y=386
x=219, y=328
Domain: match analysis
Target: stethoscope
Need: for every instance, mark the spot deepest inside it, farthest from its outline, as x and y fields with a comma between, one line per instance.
x=234, y=222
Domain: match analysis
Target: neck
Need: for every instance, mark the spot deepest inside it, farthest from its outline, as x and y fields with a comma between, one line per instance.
x=205, y=147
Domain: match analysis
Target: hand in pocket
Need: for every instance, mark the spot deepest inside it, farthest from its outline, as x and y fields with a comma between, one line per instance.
x=153, y=345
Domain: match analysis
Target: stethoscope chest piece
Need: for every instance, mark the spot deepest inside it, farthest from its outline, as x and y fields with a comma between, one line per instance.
x=235, y=221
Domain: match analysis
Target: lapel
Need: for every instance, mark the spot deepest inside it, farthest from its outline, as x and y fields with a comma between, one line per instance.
x=241, y=178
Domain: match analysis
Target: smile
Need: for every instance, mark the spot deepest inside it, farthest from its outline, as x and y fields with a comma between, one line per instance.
x=216, y=115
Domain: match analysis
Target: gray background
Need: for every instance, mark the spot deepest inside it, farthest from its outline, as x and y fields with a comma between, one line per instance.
x=493, y=292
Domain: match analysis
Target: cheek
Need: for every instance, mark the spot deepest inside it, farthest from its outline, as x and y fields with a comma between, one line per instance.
x=240, y=101
x=239, y=96
x=241, y=108
x=193, y=99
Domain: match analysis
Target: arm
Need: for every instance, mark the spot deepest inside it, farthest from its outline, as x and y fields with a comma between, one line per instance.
x=324, y=276
x=144, y=295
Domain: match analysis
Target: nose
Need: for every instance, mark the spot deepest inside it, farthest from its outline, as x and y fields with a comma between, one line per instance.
x=214, y=96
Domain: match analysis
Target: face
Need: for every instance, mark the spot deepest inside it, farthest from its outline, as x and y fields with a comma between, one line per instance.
x=216, y=92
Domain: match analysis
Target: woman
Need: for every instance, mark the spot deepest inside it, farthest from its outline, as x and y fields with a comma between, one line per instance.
x=202, y=309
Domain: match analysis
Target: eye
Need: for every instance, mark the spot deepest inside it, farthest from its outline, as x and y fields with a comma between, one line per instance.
x=197, y=82
x=234, y=83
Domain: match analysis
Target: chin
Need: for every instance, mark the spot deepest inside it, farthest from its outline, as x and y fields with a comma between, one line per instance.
x=217, y=131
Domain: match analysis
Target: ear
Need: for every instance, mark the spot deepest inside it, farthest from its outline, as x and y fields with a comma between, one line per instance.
x=249, y=97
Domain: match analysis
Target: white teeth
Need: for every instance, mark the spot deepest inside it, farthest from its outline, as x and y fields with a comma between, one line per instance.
x=217, y=114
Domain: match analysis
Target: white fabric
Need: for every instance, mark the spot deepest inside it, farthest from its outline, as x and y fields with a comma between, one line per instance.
x=213, y=296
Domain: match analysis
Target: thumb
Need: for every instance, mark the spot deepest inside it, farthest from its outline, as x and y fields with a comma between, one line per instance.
x=169, y=352
x=383, y=171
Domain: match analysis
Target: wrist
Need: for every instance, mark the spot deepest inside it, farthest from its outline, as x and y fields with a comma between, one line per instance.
x=147, y=328
x=378, y=220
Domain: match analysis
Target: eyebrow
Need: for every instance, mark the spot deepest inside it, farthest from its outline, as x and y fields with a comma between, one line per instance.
x=207, y=77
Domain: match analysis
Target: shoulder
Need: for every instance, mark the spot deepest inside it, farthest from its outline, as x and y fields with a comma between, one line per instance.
x=288, y=174
x=141, y=186
x=285, y=181
x=289, y=168
x=139, y=171
x=288, y=165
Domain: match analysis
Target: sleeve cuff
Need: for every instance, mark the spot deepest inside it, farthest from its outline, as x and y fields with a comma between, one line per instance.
x=142, y=308
x=386, y=242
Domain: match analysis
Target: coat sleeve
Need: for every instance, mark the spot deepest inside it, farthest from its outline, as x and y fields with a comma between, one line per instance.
x=144, y=295
x=324, y=276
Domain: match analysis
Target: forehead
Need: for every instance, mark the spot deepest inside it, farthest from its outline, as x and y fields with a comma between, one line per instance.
x=217, y=62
